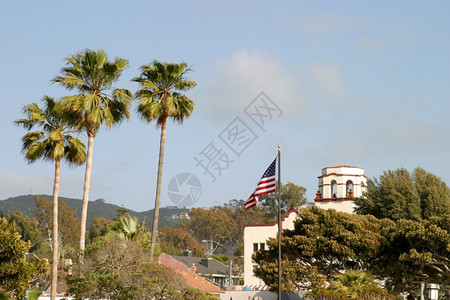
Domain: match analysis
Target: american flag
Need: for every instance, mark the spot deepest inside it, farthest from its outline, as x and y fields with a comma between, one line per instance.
x=265, y=186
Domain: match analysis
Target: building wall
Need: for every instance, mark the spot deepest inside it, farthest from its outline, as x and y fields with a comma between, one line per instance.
x=343, y=206
x=255, y=237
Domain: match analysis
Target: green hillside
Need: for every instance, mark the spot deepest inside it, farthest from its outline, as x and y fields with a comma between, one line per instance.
x=97, y=208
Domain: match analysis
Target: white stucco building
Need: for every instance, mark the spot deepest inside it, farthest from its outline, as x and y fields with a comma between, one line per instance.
x=255, y=237
x=338, y=186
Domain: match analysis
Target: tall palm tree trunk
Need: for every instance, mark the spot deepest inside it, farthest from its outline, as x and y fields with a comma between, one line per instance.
x=87, y=181
x=158, y=188
x=55, y=232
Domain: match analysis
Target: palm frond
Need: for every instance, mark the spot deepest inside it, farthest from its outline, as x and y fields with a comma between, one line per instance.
x=126, y=227
x=49, y=143
x=27, y=124
x=160, y=83
x=93, y=74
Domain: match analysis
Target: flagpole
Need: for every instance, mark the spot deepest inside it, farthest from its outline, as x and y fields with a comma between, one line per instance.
x=279, y=223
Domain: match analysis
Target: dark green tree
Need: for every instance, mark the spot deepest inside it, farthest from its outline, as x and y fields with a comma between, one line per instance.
x=160, y=98
x=91, y=74
x=27, y=227
x=16, y=273
x=401, y=195
x=414, y=252
x=323, y=243
x=99, y=228
x=434, y=194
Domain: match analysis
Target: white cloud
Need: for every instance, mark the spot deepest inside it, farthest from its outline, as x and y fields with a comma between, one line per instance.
x=236, y=80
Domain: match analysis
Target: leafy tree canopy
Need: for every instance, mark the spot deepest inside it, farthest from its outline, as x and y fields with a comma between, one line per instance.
x=176, y=240
x=68, y=225
x=353, y=284
x=93, y=75
x=292, y=196
x=415, y=252
x=214, y=224
x=24, y=225
x=401, y=195
x=99, y=228
x=322, y=243
x=242, y=216
x=16, y=273
x=121, y=269
x=327, y=242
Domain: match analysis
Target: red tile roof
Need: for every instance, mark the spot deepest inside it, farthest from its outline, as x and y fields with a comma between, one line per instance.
x=196, y=281
x=189, y=274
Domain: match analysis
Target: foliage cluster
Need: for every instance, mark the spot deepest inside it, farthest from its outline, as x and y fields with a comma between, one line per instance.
x=400, y=194
x=176, y=240
x=292, y=196
x=353, y=284
x=119, y=267
x=325, y=243
x=16, y=273
x=68, y=224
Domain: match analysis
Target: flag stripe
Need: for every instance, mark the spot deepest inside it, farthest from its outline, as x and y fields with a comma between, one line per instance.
x=265, y=186
x=260, y=192
x=250, y=204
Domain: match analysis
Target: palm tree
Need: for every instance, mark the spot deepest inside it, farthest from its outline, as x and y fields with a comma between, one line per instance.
x=54, y=141
x=92, y=75
x=354, y=283
x=126, y=227
x=159, y=99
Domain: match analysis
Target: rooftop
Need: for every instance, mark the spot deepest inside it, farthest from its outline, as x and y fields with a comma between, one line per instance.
x=215, y=267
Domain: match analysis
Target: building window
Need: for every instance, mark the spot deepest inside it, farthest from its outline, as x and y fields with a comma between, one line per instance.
x=334, y=189
x=262, y=246
x=349, y=188
x=255, y=247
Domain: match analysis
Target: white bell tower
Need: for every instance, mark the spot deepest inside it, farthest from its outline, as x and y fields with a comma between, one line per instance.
x=339, y=186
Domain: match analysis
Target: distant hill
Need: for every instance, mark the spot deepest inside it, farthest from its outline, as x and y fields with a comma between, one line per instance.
x=168, y=216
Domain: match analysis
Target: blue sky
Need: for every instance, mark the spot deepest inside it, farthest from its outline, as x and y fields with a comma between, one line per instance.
x=354, y=82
